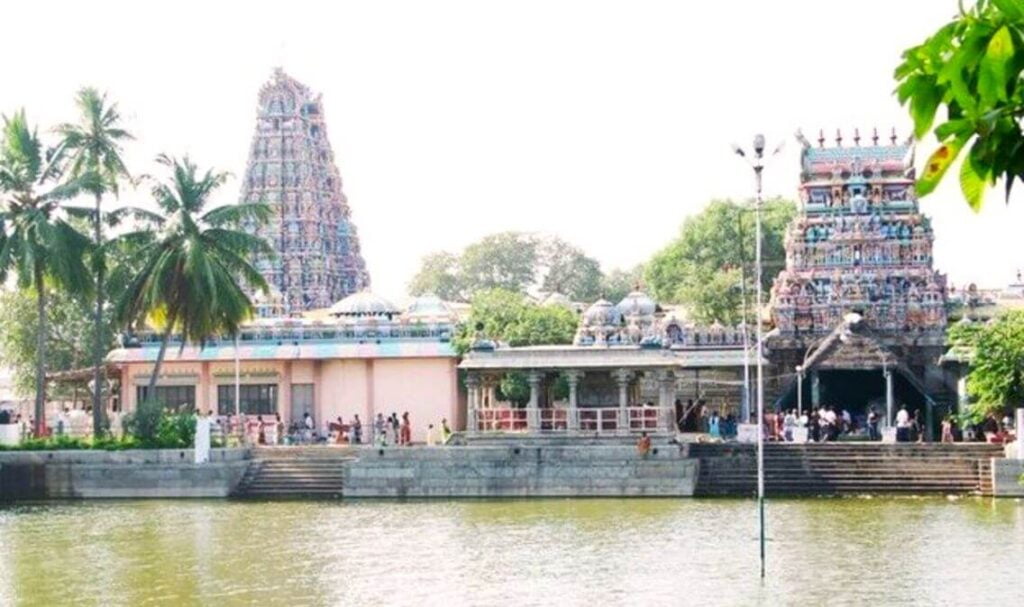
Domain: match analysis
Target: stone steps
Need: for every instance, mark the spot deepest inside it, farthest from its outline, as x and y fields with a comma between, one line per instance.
x=838, y=468
x=310, y=472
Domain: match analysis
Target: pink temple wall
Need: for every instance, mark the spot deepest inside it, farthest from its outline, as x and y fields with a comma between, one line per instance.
x=425, y=387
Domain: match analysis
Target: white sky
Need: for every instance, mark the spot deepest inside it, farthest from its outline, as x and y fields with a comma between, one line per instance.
x=604, y=122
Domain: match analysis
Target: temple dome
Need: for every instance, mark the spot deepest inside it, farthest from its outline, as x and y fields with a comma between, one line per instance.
x=364, y=303
x=428, y=307
x=637, y=303
x=602, y=313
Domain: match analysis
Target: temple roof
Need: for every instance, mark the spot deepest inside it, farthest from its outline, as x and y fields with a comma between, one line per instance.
x=364, y=303
x=611, y=357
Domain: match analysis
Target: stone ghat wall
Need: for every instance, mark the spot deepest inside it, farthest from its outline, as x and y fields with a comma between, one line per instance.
x=511, y=471
x=1008, y=477
x=150, y=473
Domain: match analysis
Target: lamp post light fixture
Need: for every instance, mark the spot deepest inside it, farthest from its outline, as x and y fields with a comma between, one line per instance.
x=756, y=162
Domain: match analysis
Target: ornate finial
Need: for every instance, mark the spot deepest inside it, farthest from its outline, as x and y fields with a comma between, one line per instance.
x=839, y=138
x=892, y=136
x=856, y=137
x=821, y=138
x=874, y=135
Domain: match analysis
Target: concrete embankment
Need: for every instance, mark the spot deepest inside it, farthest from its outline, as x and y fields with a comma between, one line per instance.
x=1008, y=477
x=137, y=473
x=520, y=471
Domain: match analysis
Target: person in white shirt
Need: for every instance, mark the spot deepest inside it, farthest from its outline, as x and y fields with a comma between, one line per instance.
x=431, y=435
x=902, y=425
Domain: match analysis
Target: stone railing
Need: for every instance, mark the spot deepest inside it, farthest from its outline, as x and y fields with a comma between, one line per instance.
x=589, y=420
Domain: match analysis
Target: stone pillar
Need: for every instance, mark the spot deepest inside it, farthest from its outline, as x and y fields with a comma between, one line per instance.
x=799, y=391
x=815, y=390
x=622, y=377
x=963, y=400
x=203, y=388
x=532, y=415
x=888, y=398
x=284, y=401
x=573, y=378
x=472, y=393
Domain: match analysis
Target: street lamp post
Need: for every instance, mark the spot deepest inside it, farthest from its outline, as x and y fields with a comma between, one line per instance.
x=756, y=162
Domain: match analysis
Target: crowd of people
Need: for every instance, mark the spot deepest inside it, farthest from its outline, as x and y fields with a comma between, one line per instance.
x=828, y=423
x=394, y=430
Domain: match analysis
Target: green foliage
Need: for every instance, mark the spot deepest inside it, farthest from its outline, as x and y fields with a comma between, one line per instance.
x=569, y=271
x=996, y=380
x=438, y=275
x=193, y=272
x=971, y=68
x=176, y=431
x=513, y=261
x=618, y=283
x=508, y=317
x=701, y=268
x=144, y=424
x=105, y=443
x=37, y=243
x=69, y=337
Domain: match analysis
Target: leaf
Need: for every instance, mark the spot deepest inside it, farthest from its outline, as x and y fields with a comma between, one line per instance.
x=992, y=74
x=923, y=104
x=972, y=183
x=1013, y=9
x=937, y=165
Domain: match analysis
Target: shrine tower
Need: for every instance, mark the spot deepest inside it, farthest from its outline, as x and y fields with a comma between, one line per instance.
x=291, y=168
x=859, y=267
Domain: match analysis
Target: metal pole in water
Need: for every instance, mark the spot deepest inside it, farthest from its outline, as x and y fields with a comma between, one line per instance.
x=760, y=349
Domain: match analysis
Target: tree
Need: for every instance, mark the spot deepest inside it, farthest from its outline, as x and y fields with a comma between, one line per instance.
x=703, y=266
x=94, y=147
x=438, y=275
x=507, y=260
x=509, y=317
x=569, y=271
x=36, y=241
x=195, y=271
x=971, y=67
x=618, y=283
x=68, y=338
x=996, y=379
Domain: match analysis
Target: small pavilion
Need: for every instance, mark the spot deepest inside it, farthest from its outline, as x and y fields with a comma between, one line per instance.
x=626, y=372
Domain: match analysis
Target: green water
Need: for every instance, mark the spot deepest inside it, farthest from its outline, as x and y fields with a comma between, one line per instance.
x=542, y=552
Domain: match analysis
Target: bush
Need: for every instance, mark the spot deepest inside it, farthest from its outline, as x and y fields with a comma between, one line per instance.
x=144, y=424
x=176, y=431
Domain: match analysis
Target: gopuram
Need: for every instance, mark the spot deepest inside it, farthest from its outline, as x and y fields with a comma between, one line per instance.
x=859, y=312
x=291, y=168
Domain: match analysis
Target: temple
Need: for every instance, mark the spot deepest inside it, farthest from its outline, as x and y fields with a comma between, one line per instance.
x=632, y=368
x=291, y=168
x=365, y=357
x=859, y=311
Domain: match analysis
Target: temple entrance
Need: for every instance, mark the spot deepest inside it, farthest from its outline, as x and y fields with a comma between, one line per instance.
x=856, y=391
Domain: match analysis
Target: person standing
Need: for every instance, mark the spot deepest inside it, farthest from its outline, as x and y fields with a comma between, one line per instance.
x=308, y=425
x=947, y=429
x=902, y=425
x=357, y=430
x=713, y=426
x=406, y=429
x=202, y=438
x=431, y=435
x=446, y=432
x=379, y=426
x=873, y=433
x=395, y=429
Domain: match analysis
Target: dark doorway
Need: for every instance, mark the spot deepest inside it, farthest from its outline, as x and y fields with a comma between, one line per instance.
x=856, y=391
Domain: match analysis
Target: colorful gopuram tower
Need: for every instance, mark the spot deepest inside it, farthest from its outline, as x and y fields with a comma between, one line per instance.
x=291, y=167
x=859, y=249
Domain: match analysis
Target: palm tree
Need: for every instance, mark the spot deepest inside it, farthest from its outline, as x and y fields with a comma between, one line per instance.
x=94, y=146
x=36, y=241
x=193, y=271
